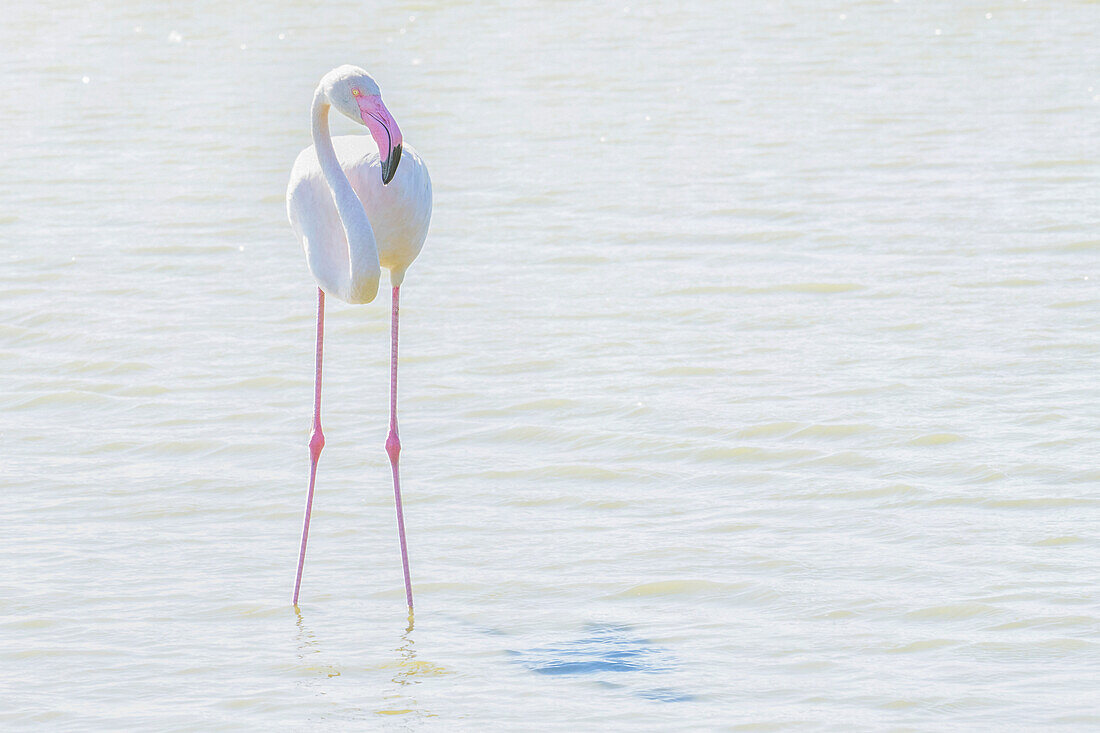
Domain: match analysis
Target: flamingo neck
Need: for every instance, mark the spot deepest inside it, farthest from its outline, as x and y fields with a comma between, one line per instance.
x=365, y=270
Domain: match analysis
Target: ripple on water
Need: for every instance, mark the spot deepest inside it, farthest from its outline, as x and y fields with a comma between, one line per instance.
x=1058, y=541
x=741, y=593
x=63, y=398
x=920, y=646
x=802, y=288
x=753, y=454
x=576, y=471
x=833, y=432
x=843, y=459
x=953, y=612
x=772, y=429
x=936, y=439
x=1085, y=623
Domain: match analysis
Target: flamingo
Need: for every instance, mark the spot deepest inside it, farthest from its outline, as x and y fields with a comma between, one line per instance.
x=356, y=212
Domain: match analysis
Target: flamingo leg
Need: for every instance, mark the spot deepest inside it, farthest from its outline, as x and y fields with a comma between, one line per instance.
x=316, y=441
x=393, y=449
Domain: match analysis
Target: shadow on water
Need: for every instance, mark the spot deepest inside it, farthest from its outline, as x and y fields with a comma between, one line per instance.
x=606, y=650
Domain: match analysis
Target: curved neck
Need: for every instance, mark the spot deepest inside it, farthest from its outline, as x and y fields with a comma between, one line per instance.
x=362, y=248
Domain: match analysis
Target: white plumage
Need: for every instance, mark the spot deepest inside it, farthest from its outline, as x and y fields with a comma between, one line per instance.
x=398, y=212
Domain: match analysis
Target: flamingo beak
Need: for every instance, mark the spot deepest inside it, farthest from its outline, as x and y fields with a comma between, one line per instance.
x=389, y=165
x=383, y=128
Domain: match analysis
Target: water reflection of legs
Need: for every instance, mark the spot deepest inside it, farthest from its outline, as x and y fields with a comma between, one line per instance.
x=400, y=701
x=307, y=647
x=407, y=663
x=307, y=642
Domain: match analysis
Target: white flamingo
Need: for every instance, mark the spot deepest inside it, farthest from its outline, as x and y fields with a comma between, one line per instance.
x=355, y=212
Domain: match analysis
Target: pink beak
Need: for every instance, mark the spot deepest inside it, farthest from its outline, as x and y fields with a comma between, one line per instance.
x=384, y=130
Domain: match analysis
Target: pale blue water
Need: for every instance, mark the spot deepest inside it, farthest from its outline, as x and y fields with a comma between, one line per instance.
x=748, y=373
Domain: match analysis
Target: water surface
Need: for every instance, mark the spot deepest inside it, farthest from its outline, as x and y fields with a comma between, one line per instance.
x=748, y=374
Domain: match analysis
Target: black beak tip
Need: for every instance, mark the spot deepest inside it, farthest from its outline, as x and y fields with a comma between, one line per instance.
x=389, y=168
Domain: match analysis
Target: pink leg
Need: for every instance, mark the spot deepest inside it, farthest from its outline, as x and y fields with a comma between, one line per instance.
x=316, y=441
x=393, y=449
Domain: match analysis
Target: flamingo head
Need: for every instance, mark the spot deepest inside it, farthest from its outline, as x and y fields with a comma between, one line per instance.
x=355, y=93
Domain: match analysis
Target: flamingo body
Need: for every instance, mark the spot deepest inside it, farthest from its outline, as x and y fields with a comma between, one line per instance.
x=399, y=213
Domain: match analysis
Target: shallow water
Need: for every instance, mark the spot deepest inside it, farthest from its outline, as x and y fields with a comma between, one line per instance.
x=748, y=374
